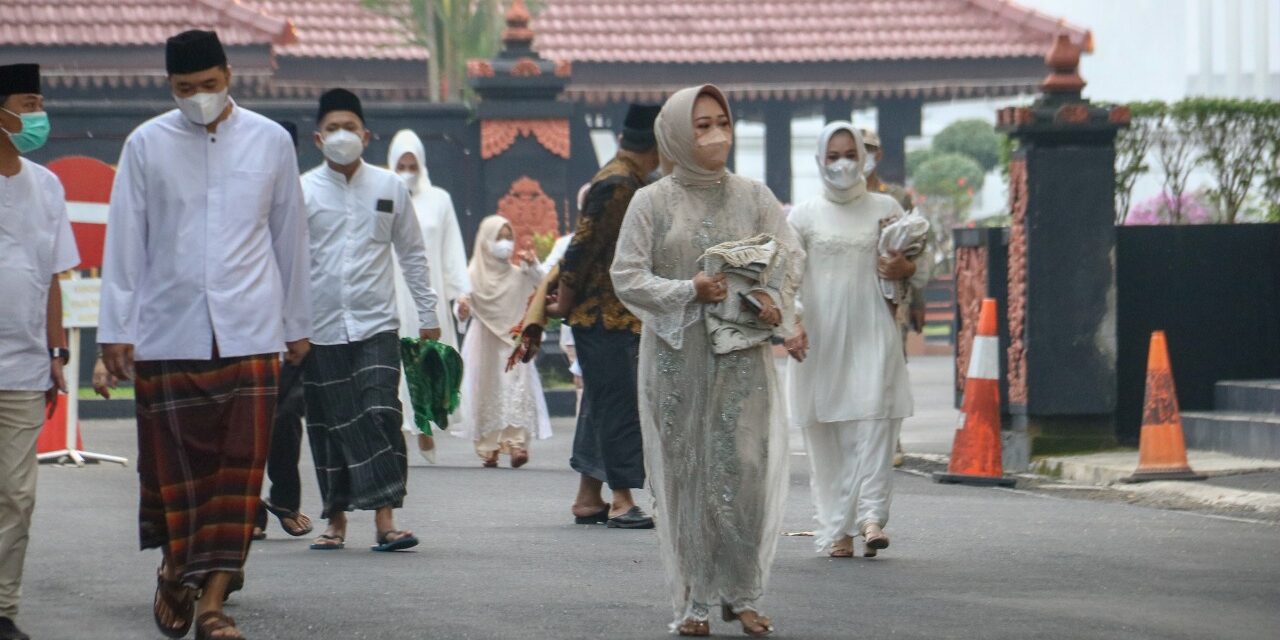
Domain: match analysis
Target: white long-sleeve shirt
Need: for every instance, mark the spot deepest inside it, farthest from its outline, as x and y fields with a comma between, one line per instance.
x=354, y=225
x=35, y=243
x=206, y=240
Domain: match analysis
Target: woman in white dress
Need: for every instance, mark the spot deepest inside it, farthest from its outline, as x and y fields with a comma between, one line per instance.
x=501, y=411
x=446, y=257
x=714, y=424
x=851, y=392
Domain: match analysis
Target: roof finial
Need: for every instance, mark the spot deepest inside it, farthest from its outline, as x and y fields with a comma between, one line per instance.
x=1063, y=61
x=517, y=31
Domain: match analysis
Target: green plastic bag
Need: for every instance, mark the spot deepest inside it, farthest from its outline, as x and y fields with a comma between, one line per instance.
x=433, y=372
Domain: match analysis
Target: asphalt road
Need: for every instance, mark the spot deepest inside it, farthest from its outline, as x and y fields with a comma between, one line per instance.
x=501, y=559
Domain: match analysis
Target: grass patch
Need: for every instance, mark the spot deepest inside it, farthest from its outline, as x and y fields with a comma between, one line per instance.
x=119, y=393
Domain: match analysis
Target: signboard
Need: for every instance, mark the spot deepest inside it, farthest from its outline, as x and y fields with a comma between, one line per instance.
x=80, y=302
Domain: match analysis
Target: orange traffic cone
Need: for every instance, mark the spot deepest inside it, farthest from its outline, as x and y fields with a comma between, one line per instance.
x=53, y=435
x=975, y=453
x=1162, y=453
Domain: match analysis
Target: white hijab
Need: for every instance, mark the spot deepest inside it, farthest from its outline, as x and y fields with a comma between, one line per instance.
x=674, y=130
x=499, y=290
x=831, y=191
x=406, y=141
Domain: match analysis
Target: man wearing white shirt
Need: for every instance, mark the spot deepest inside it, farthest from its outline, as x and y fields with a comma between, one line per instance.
x=357, y=214
x=35, y=246
x=204, y=284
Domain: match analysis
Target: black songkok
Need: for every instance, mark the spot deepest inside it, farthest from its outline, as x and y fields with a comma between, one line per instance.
x=637, y=129
x=192, y=51
x=19, y=78
x=339, y=100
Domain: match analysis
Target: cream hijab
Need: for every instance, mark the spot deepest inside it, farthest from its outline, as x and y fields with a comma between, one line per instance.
x=674, y=130
x=406, y=141
x=831, y=191
x=499, y=290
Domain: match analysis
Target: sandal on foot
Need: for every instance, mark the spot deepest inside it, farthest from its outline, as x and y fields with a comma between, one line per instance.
x=762, y=627
x=600, y=517
x=212, y=622
x=874, y=539
x=258, y=534
x=180, y=601
x=327, y=542
x=385, y=543
x=519, y=457
x=691, y=627
x=842, y=548
x=491, y=461
x=300, y=520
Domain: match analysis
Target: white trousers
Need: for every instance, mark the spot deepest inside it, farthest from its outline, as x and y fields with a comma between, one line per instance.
x=21, y=416
x=851, y=475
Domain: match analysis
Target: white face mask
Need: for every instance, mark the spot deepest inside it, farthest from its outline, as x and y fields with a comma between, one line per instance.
x=203, y=108
x=502, y=249
x=343, y=147
x=841, y=174
x=870, y=166
x=410, y=179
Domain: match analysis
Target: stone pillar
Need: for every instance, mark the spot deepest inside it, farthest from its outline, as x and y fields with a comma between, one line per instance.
x=777, y=149
x=896, y=119
x=524, y=134
x=1061, y=260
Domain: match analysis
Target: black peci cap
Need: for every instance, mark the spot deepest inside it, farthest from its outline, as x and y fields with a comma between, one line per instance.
x=339, y=100
x=637, y=129
x=192, y=51
x=19, y=78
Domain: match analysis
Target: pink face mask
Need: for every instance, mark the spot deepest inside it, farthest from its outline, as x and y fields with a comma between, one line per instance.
x=712, y=150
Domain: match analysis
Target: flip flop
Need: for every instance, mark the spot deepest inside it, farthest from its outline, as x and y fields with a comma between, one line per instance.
x=600, y=517
x=386, y=544
x=179, y=600
x=282, y=514
x=323, y=546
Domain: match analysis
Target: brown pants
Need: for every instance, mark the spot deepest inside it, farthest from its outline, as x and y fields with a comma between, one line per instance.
x=21, y=416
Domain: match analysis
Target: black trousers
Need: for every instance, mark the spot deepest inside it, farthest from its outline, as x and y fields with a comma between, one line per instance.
x=286, y=445
x=607, y=445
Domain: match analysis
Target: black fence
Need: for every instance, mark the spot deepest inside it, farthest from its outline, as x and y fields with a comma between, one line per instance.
x=1214, y=290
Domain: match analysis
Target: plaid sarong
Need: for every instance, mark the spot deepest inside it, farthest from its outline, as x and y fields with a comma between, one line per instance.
x=204, y=427
x=353, y=421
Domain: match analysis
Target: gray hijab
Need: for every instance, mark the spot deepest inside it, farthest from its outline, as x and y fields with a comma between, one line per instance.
x=674, y=129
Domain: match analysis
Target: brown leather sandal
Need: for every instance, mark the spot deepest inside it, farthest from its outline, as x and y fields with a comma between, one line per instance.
x=491, y=461
x=178, y=600
x=519, y=457
x=761, y=627
x=691, y=627
x=212, y=622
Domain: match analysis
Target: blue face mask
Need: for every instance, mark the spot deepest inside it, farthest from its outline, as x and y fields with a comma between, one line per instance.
x=35, y=131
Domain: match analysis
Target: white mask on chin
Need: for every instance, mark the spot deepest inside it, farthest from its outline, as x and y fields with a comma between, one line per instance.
x=343, y=147
x=203, y=108
x=502, y=249
x=841, y=174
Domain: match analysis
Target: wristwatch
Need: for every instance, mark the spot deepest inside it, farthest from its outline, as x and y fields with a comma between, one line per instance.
x=60, y=353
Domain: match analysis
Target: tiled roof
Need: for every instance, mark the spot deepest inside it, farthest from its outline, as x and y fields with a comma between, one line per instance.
x=134, y=22
x=341, y=29
x=792, y=31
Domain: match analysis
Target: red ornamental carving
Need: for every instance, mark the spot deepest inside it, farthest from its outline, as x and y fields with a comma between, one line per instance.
x=971, y=288
x=526, y=68
x=564, y=68
x=1072, y=114
x=1120, y=114
x=479, y=69
x=530, y=210
x=496, y=136
x=1064, y=62
x=1017, y=353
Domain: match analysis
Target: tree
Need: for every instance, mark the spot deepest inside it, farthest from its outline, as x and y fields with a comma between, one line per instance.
x=946, y=183
x=917, y=157
x=453, y=31
x=974, y=138
x=1133, y=143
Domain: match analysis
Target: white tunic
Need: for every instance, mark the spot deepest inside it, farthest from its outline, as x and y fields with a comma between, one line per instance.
x=35, y=243
x=206, y=239
x=354, y=226
x=855, y=369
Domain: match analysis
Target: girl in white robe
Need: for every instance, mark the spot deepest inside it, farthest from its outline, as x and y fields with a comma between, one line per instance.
x=446, y=256
x=501, y=411
x=851, y=392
